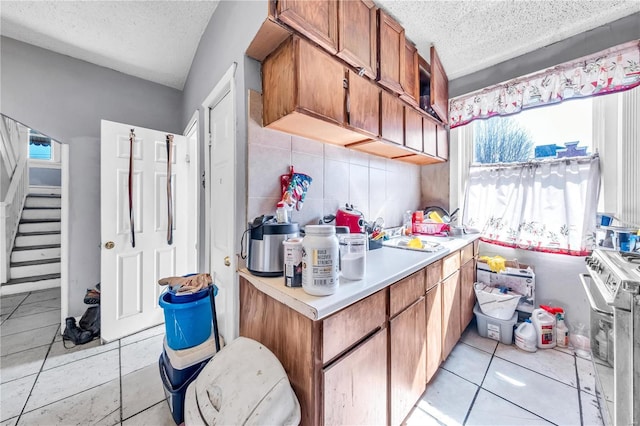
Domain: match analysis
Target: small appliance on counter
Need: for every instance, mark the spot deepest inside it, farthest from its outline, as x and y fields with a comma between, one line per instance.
x=266, y=252
x=352, y=218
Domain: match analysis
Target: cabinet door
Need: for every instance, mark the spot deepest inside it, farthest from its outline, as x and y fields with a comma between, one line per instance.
x=405, y=292
x=450, y=313
x=412, y=129
x=434, y=330
x=429, y=137
x=357, y=35
x=410, y=78
x=391, y=48
x=391, y=118
x=317, y=20
x=443, y=142
x=363, y=104
x=439, y=88
x=355, y=387
x=320, y=83
x=408, y=360
x=467, y=294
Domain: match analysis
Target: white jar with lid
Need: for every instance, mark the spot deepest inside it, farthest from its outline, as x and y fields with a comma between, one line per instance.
x=320, y=260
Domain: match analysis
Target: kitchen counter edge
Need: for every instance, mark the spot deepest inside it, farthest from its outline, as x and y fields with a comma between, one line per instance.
x=385, y=266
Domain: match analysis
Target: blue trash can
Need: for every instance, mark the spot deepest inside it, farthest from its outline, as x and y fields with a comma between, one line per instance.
x=187, y=324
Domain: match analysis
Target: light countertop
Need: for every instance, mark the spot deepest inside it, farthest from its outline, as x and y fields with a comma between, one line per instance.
x=384, y=267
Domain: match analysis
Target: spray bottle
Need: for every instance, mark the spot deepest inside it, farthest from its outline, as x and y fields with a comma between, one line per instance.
x=562, y=331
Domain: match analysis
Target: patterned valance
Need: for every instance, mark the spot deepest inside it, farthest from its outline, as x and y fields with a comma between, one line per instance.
x=612, y=70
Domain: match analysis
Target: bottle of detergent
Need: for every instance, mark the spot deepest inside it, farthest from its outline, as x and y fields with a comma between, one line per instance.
x=562, y=331
x=545, y=325
x=526, y=336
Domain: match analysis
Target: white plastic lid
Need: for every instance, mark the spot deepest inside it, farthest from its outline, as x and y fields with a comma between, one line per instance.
x=320, y=230
x=183, y=358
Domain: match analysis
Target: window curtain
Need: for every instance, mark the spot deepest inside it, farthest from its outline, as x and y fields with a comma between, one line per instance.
x=545, y=206
x=612, y=70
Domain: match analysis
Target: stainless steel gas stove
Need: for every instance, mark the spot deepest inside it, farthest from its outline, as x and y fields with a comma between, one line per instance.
x=613, y=289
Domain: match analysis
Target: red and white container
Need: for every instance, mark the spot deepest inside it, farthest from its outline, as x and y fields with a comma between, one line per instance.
x=545, y=325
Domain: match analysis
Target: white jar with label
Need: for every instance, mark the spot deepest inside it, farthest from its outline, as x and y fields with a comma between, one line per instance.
x=320, y=260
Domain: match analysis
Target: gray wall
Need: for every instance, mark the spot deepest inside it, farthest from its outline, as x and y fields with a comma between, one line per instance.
x=44, y=176
x=66, y=98
x=5, y=181
x=225, y=40
x=587, y=43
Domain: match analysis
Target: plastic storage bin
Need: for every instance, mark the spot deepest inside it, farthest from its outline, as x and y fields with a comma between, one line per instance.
x=175, y=393
x=494, y=303
x=180, y=365
x=186, y=324
x=493, y=328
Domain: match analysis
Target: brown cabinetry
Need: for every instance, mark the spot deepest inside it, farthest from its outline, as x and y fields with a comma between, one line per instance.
x=358, y=35
x=391, y=48
x=429, y=135
x=407, y=372
x=363, y=105
x=303, y=93
x=442, y=142
x=439, y=87
x=355, y=387
x=317, y=20
x=412, y=129
x=434, y=329
x=410, y=80
x=451, y=329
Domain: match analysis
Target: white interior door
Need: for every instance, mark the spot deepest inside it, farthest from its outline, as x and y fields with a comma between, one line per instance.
x=222, y=205
x=129, y=275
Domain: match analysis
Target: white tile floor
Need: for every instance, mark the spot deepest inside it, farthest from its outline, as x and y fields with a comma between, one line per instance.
x=481, y=383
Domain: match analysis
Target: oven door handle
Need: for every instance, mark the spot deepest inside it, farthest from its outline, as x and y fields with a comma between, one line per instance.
x=590, y=296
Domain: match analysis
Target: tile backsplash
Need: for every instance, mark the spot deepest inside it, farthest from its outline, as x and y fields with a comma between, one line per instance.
x=374, y=185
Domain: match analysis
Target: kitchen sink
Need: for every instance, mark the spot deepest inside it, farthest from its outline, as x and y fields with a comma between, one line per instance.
x=429, y=243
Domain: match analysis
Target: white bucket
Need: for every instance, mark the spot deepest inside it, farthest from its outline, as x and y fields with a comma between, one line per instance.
x=526, y=337
x=494, y=303
x=545, y=325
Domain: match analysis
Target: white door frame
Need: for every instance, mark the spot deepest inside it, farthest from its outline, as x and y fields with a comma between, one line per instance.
x=226, y=85
x=64, y=234
x=192, y=127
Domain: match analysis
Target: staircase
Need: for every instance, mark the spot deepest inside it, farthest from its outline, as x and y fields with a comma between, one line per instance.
x=35, y=258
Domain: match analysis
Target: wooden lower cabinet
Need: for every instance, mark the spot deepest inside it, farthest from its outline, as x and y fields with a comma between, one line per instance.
x=355, y=386
x=434, y=329
x=467, y=293
x=407, y=372
x=451, y=329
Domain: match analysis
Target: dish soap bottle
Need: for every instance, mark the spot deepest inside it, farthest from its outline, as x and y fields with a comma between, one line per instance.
x=562, y=331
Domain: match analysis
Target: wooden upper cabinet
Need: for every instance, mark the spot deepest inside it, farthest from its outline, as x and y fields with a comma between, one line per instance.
x=442, y=141
x=303, y=93
x=391, y=49
x=439, y=88
x=412, y=129
x=357, y=35
x=317, y=20
x=410, y=78
x=363, y=103
x=429, y=137
x=391, y=118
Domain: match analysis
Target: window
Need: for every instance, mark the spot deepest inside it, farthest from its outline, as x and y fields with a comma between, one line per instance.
x=556, y=131
x=40, y=147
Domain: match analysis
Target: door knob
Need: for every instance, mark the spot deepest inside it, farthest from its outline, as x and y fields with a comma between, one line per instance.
x=109, y=245
x=227, y=261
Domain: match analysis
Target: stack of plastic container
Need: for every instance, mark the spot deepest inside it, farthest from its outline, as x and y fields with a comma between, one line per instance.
x=188, y=345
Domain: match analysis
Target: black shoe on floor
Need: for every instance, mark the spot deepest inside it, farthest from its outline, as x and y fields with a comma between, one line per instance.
x=75, y=334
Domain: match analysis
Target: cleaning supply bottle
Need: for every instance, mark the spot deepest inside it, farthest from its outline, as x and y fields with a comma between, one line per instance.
x=526, y=336
x=545, y=325
x=562, y=331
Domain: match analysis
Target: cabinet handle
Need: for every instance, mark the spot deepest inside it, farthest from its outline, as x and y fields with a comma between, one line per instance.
x=345, y=83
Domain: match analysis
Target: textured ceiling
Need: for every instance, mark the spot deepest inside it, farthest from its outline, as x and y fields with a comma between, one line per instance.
x=475, y=34
x=153, y=40
x=156, y=40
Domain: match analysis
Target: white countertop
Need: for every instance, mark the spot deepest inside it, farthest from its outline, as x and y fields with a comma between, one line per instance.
x=384, y=266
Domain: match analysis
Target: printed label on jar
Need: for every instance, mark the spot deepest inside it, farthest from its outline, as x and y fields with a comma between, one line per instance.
x=322, y=266
x=546, y=334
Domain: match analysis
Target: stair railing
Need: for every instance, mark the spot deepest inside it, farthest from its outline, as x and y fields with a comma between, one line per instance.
x=14, y=143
